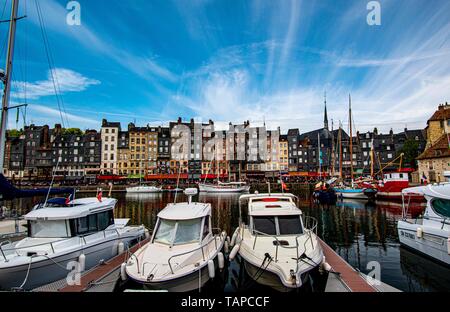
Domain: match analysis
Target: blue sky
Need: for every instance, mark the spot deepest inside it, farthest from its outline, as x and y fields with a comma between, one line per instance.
x=234, y=60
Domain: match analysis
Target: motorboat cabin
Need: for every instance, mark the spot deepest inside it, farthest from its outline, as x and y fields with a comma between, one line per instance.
x=183, y=250
x=429, y=234
x=278, y=246
x=82, y=231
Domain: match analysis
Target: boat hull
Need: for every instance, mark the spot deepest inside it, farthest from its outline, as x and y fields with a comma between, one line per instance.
x=217, y=189
x=351, y=194
x=58, y=267
x=434, y=243
x=270, y=279
x=397, y=196
x=143, y=190
x=190, y=282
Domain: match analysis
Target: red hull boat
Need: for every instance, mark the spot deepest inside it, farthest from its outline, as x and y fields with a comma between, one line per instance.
x=392, y=186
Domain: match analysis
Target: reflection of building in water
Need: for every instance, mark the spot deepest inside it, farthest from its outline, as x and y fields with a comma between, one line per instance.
x=224, y=210
x=423, y=274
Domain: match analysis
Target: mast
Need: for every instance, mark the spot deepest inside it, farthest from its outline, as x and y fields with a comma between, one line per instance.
x=7, y=80
x=351, y=136
x=372, y=156
x=340, y=149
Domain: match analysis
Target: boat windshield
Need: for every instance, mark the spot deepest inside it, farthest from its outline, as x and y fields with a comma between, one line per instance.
x=178, y=232
x=280, y=225
x=49, y=229
x=441, y=207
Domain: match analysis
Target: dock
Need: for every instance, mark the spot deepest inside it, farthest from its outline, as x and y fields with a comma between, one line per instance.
x=101, y=278
x=344, y=278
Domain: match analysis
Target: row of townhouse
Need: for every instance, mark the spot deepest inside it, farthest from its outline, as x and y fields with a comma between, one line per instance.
x=38, y=151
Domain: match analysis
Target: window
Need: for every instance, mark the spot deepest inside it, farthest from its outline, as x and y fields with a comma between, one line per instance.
x=441, y=207
x=290, y=225
x=188, y=231
x=165, y=232
x=265, y=225
x=49, y=229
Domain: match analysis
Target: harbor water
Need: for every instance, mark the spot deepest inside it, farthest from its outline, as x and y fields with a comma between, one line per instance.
x=362, y=233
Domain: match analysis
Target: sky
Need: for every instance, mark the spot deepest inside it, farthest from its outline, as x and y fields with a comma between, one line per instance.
x=152, y=61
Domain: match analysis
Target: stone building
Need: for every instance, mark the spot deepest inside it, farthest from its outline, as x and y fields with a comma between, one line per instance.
x=435, y=160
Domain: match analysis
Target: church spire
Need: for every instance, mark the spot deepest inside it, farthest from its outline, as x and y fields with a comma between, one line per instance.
x=325, y=119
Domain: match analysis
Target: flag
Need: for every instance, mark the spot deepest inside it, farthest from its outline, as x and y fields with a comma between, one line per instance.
x=284, y=186
x=99, y=196
x=424, y=179
x=68, y=199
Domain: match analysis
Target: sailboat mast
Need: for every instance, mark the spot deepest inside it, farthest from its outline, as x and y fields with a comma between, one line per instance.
x=340, y=149
x=372, y=156
x=7, y=80
x=319, y=156
x=351, y=136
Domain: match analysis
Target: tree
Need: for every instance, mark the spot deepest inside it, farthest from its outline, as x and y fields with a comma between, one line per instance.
x=411, y=151
x=72, y=131
x=14, y=133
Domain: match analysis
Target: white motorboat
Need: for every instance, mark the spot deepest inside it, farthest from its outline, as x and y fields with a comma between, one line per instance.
x=278, y=249
x=221, y=187
x=62, y=236
x=430, y=234
x=183, y=253
x=142, y=189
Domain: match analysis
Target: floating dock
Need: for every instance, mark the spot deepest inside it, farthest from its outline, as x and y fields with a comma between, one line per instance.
x=101, y=278
x=344, y=278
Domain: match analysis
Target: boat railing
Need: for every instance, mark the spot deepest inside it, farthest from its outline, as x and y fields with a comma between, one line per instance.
x=311, y=227
x=214, y=238
x=51, y=245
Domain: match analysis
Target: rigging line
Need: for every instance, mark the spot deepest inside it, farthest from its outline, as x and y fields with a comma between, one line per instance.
x=51, y=64
x=49, y=61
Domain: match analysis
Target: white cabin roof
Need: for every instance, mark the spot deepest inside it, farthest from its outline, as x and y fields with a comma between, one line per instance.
x=82, y=208
x=272, y=204
x=185, y=211
x=433, y=190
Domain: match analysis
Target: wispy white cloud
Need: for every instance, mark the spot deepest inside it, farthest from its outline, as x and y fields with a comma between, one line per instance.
x=66, y=80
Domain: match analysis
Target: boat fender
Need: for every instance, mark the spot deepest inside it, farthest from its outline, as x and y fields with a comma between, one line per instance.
x=448, y=245
x=211, y=269
x=226, y=247
x=121, y=248
x=228, y=240
x=233, y=239
x=221, y=260
x=234, y=252
x=419, y=232
x=123, y=273
x=147, y=234
x=82, y=262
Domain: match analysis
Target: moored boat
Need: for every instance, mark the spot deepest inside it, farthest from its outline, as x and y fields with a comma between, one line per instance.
x=393, y=184
x=221, y=187
x=183, y=252
x=143, y=189
x=64, y=236
x=278, y=249
x=430, y=233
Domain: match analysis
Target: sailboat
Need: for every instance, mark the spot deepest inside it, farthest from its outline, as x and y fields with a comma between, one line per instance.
x=143, y=189
x=223, y=187
x=355, y=191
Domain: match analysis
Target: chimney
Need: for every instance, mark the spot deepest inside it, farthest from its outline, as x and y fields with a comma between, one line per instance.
x=179, y=120
x=104, y=122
